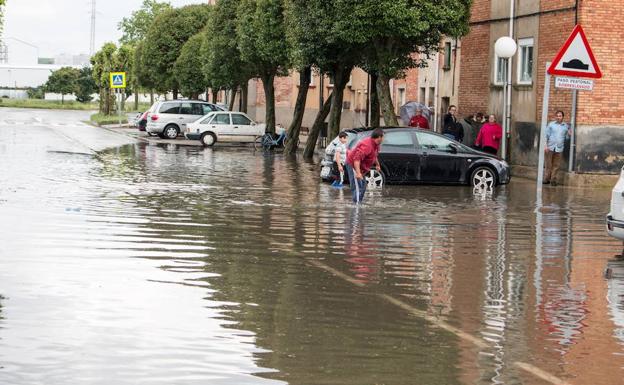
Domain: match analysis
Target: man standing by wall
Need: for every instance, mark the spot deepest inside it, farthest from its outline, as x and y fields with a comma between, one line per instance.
x=556, y=134
x=360, y=160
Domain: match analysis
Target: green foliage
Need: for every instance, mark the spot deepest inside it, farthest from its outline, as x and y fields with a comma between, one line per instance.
x=85, y=85
x=63, y=81
x=103, y=63
x=36, y=92
x=48, y=104
x=102, y=119
x=394, y=30
x=223, y=66
x=188, y=67
x=165, y=38
x=134, y=28
x=260, y=32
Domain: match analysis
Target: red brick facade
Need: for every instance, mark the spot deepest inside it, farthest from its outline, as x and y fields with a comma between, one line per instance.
x=474, y=79
x=601, y=20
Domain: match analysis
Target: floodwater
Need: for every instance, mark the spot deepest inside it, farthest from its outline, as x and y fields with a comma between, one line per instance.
x=147, y=264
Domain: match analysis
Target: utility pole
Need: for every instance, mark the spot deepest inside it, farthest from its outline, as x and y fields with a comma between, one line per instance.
x=92, y=45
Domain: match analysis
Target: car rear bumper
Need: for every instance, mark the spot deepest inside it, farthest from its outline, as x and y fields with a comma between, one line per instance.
x=615, y=227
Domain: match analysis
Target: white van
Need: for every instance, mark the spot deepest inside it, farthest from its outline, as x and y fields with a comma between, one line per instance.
x=615, y=218
x=168, y=119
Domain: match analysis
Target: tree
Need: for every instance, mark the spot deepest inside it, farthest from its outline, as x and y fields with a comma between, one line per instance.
x=2, y=3
x=134, y=28
x=313, y=29
x=188, y=67
x=223, y=66
x=103, y=63
x=260, y=32
x=395, y=33
x=165, y=38
x=85, y=85
x=123, y=61
x=63, y=81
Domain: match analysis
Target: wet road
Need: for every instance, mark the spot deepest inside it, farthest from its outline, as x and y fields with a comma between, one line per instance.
x=179, y=265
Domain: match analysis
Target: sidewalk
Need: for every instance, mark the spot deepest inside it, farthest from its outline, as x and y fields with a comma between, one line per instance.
x=569, y=179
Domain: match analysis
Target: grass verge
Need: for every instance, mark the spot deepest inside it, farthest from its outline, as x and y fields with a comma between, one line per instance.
x=101, y=119
x=67, y=105
x=47, y=104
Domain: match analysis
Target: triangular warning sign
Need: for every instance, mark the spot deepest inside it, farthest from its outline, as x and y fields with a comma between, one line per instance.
x=575, y=58
x=117, y=80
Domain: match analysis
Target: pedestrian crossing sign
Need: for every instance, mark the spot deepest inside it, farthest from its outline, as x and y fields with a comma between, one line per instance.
x=118, y=80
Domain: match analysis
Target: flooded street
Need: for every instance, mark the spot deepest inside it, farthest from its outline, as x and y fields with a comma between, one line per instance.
x=128, y=263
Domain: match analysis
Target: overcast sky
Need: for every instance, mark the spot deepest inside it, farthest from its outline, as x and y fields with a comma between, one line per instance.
x=63, y=26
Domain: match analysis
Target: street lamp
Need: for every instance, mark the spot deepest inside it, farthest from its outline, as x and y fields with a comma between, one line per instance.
x=505, y=48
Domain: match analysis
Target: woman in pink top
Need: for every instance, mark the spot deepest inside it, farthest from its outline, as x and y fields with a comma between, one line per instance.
x=490, y=135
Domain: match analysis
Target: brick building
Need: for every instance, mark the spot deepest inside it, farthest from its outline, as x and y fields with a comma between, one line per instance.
x=540, y=27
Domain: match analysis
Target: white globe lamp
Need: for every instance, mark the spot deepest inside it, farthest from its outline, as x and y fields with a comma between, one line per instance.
x=505, y=47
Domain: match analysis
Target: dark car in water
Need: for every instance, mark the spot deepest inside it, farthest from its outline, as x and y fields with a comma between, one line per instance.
x=412, y=156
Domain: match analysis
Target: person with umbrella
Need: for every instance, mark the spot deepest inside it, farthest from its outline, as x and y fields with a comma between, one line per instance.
x=419, y=121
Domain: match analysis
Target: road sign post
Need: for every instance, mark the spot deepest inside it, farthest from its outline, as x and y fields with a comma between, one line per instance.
x=118, y=83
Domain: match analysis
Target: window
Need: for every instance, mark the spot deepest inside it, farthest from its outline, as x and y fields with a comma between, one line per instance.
x=500, y=71
x=398, y=139
x=207, y=120
x=423, y=92
x=433, y=142
x=221, y=119
x=186, y=109
x=208, y=108
x=197, y=109
x=169, y=108
x=240, y=119
x=447, y=55
x=525, y=61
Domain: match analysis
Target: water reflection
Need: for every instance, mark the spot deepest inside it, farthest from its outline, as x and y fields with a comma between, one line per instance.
x=198, y=261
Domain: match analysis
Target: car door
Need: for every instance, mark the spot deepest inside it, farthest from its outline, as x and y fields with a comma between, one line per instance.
x=397, y=156
x=439, y=161
x=187, y=115
x=242, y=126
x=221, y=125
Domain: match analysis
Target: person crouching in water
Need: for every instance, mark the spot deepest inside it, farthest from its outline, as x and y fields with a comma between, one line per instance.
x=490, y=135
x=360, y=160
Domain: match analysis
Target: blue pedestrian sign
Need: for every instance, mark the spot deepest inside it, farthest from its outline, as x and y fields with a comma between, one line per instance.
x=118, y=79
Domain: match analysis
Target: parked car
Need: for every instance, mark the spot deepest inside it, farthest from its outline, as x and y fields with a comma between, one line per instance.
x=615, y=218
x=168, y=119
x=412, y=156
x=224, y=126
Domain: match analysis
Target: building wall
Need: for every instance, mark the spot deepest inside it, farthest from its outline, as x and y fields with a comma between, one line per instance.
x=600, y=113
x=474, y=78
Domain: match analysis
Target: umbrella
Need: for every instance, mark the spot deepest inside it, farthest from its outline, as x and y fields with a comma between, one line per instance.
x=409, y=109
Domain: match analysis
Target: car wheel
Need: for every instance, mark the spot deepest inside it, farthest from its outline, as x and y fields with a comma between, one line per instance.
x=483, y=177
x=208, y=139
x=171, y=131
x=375, y=179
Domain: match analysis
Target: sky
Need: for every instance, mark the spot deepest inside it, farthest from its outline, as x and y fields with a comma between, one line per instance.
x=64, y=26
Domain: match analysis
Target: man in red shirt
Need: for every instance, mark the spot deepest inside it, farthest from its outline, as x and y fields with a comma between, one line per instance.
x=419, y=121
x=360, y=160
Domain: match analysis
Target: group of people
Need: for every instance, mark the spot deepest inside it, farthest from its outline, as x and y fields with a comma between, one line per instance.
x=486, y=136
x=364, y=156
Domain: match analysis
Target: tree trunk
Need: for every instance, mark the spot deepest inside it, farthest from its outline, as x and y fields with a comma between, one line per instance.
x=194, y=95
x=375, y=117
x=175, y=94
x=269, y=92
x=62, y=99
x=313, y=135
x=101, y=101
x=233, y=99
x=385, y=100
x=136, y=100
x=244, y=96
x=152, y=97
x=295, y=126
x=214, y=95
x=341, y=78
